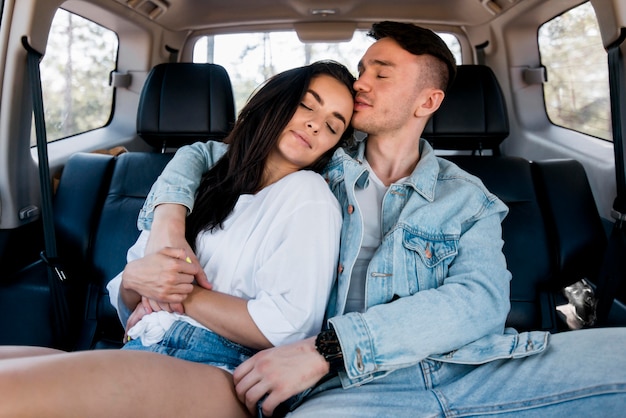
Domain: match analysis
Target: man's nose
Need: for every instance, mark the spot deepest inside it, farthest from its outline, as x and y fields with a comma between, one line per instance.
x=360, y=84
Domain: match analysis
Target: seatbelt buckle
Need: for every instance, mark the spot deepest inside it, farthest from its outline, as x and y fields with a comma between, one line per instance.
x=619, y=217
x=55, y=265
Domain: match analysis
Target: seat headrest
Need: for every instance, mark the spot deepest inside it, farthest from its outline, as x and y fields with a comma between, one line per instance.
x=182, y=103
x=473, y=114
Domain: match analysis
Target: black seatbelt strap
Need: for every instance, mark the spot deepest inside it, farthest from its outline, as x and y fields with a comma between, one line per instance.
x=480, y=52
x=613, y=270
x=56, y=275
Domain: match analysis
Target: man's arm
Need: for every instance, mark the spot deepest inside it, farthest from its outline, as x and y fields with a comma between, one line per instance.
x=179, y=181
x=472, y=302
x=165, y=210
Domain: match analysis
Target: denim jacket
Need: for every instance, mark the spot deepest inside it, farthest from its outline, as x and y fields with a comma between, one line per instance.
x=437, y=287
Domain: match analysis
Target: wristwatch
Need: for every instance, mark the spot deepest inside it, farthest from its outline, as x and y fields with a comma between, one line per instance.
x=327, y=344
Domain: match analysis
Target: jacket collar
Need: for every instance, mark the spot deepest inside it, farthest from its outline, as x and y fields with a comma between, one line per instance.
x=423, y=179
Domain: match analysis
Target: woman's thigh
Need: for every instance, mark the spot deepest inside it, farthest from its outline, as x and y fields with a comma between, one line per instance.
x=114, y=383
x=9, y=351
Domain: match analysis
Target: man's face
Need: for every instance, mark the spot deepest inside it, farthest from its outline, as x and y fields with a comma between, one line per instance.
x=387, y=88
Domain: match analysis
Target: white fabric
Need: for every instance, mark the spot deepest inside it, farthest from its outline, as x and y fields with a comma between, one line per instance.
x=370, y=200
x=278, y=249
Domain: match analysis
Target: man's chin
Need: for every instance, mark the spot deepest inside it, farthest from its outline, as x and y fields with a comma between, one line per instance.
x=359, y=123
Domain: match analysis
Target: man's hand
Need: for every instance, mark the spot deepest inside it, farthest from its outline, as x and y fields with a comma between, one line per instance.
x=168, y=230
x=165, y=276
x=279, y=373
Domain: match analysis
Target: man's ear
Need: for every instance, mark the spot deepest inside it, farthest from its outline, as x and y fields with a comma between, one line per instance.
x=430, y=100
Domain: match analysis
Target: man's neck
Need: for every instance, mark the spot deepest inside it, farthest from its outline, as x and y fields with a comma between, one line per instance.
x=391, y=159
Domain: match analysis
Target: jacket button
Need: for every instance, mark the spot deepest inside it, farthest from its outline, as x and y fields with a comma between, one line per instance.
x=340, y=269
x=350, y=209
x=359, y=361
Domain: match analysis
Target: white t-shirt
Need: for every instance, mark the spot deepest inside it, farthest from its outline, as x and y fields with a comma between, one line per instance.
x=370, y=201
x=278, y=249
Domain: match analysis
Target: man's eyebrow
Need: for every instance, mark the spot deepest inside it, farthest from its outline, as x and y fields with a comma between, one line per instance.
x=380, y=63
x=319, y=99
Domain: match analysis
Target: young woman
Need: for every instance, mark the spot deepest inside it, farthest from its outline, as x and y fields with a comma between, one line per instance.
x=265, y=229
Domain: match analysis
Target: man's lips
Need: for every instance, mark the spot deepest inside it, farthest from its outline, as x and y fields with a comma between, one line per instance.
x=360, y=104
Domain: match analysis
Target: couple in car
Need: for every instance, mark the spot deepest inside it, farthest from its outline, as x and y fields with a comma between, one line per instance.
x=378, y=288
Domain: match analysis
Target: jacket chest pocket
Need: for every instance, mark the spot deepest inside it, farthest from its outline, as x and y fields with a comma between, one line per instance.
x=426, y=260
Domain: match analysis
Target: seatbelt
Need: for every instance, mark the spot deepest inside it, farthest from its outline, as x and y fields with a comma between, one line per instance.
x=56, y=275
x=613, y=270
x=480, y=52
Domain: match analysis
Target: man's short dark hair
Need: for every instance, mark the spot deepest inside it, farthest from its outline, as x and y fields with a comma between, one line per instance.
x=418, y=41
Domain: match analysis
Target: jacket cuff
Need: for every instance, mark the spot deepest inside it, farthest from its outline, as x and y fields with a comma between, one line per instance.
x=356, y=345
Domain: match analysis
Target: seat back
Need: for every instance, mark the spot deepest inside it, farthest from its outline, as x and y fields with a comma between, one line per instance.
x=473, y=117
x=182, y=103
x=169, y=115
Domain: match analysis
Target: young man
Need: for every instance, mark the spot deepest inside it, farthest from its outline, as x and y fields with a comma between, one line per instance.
x=416, y=321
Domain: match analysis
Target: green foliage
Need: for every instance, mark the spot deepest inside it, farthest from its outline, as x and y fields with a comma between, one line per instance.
x=577, y=91
x=75, y=70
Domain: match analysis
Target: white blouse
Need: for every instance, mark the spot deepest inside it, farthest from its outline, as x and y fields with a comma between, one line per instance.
x=278, y=249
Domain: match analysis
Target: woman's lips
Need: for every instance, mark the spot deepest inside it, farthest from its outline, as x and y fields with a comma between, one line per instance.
x=302, y=138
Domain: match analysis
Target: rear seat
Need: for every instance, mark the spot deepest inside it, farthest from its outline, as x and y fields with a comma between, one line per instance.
x=553, y=235
x=543, y=248
x=181, y=103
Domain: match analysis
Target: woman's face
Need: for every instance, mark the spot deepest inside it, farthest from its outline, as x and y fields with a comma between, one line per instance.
x=321, y=118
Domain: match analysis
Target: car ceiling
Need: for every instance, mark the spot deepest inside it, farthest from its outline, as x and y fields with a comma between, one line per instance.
x=194, y=15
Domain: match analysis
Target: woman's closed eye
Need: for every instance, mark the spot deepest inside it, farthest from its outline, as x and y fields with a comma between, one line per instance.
x=331, y=129
x=332, y=126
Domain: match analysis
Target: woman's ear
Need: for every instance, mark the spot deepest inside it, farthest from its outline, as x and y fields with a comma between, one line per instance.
x=430, y=100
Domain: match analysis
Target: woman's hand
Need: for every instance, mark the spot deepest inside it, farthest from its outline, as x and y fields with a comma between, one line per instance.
x=138, y=313
x=134, y=317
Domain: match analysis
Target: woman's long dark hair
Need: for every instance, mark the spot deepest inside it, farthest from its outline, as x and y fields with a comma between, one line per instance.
x=254, y=136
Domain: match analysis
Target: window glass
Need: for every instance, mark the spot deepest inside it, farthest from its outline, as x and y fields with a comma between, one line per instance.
x=251, y=58
x=577, y=91
x=75, y=70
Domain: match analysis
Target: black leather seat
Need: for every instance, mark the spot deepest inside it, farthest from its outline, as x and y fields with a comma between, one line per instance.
x=183, y=103
x=473, y=115
x=99, y=197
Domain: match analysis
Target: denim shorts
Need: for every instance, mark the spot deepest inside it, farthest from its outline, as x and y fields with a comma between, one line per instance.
x=188, y=342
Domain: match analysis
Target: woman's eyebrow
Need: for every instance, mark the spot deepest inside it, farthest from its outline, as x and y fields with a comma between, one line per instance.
x=319, y=99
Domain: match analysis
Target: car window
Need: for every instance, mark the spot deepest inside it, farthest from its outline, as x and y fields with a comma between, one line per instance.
x=75, y=70
x=577, y=91
x=251, y=58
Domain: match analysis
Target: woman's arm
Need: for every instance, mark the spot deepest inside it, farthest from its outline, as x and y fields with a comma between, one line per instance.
x=225, y=315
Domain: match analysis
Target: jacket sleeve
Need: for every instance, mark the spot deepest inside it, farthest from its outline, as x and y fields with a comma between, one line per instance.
x=180, y=179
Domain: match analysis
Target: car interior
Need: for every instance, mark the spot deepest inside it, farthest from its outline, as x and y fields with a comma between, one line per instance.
x=549, y=153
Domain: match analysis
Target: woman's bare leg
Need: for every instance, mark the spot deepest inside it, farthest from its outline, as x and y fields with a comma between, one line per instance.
x=119, y=383
x=10, y=351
